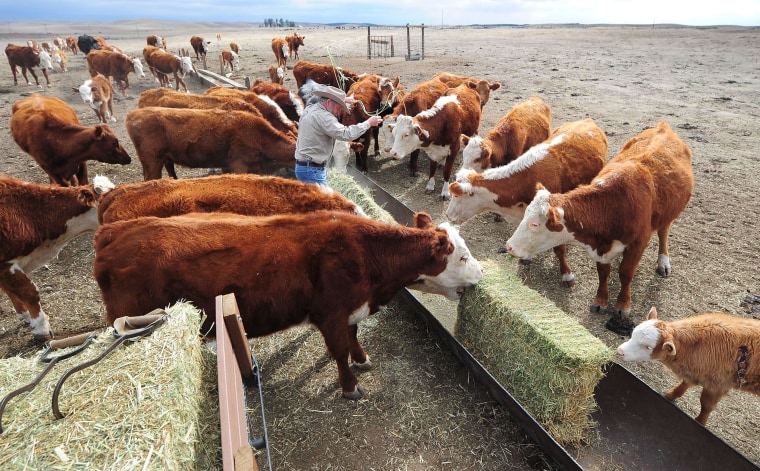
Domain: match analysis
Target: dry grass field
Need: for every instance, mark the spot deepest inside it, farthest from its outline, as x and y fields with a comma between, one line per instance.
x=423, y=411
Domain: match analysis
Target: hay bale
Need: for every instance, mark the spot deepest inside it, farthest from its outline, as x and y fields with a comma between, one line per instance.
x=347, y=186
x=548, y=361
x=149, y=404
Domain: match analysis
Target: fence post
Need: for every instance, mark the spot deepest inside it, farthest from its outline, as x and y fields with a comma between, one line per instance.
x=392, y=54
x=369, y=44
x=408, y=43
x=422, y=57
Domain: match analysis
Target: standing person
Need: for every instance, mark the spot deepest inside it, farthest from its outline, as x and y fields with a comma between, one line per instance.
x=319, y=128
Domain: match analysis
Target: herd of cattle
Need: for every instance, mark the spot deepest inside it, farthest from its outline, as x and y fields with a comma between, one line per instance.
x=294, y=252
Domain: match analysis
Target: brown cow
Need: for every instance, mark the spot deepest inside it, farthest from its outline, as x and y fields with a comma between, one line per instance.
x=482, y=86
x=97, y=92
x=168, y=98
x=439, y=130
x=280, y=49
x=269, y=109
x=712, y=350
x=115, y=65
x=294, y=42
x=230, y=59
x=284, y=270
x=290, y=103
x=153, y=40
x=27, y=58
x=572, y=155
x=71, y=45
x=324, y=74
x=59, y=57
x=36, y=222
x=528, y=123
x=49, y=130
x=161, y=78
x=640, y=191
x=165, y=63
x=421, y=98
x=253, y=195
x=236, y=141
x=276, y=74
x=200, y=46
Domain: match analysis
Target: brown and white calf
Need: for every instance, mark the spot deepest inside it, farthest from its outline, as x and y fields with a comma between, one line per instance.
x=268, y=108
x=71, y=45
x=640, y=191
x=200, y=47
x=280, y=50
x=115, y=65
x=236, y=141
x=230, y=59
x=36, y=222
x=234, y=47
x=326, y=74
x=528, y=123
x=715, y=351
x=60, y=58
x=294, y=42
x=97, y=93
x=438, y=131
x=49, y=130
x=27, y=58
x=482, y=86
x=572, y=155
x=164, y=63
x=284, y=270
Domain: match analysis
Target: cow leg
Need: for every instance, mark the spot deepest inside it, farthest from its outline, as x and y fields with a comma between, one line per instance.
x=414, y=170
x=376, y=135
x=47, y=79
x=628, y=266
x=26, y=78
x=358, y=355
x=15, y=78
x=709, y=400
x=26, y=300
x=169, y=166
x=338, y=344
x=677, y=391
x=447, y=166
x=602, y=292
x=430, y=187
x=82, y=176
x=568, y=277
x=663, y=259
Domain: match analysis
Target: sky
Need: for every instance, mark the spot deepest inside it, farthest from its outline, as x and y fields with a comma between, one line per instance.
x=397, y=12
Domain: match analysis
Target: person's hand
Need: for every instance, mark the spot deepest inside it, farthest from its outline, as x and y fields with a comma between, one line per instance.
x=350, y=100
x=375, y=120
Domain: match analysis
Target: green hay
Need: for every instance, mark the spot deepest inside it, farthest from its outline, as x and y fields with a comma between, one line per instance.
x=345, y=185
x=547, y=360
x=148, y=405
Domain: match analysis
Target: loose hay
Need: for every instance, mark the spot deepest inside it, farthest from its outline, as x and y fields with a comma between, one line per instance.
x=546, y=359
x=145, y=405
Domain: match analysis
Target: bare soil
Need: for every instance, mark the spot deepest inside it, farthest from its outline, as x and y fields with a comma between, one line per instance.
x=422, y=410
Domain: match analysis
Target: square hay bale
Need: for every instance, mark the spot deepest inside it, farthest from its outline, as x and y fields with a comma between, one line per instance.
x=347, y=186
x=150, y=404
x=547, y=360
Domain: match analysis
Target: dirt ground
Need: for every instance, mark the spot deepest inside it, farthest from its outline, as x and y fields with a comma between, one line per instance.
x=423, y=411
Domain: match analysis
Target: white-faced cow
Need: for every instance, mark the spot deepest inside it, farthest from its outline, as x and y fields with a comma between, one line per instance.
x=36, y=222
x=49, y=130
x=715, y=351
x=97, y=92
x=640, y=191
x=438, y=131
x=200, y=46
x=230, y=59
x=163, y=63
x=27, y=58
x=572, y=155
x=284, y=270
x=115, y=65
x=528, y=123
x=280, y=50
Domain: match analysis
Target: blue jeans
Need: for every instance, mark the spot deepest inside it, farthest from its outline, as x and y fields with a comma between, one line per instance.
x=309, y=174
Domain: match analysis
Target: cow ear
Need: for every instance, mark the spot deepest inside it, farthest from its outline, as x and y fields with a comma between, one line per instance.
x=443, y=246
x=455, y=189
x=539, y=187
x=423, y=220
x=669, y=347
x=86, y=197
x=99, y=132
x=75, y=90
x=495, y=86
x=652, y=314
x=554, y=219
x=465, y=139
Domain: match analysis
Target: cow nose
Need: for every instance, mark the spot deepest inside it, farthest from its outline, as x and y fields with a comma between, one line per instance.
x=510, y=249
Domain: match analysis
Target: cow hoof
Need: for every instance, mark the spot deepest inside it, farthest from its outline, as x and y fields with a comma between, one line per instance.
x=356, y=394
x=597, y=309
x=42, y=338
x=524, y=261
x=620, y=325
x=569, y=282
x=367, y=365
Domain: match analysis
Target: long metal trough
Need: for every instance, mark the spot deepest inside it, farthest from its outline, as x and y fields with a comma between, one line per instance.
x=638, y=428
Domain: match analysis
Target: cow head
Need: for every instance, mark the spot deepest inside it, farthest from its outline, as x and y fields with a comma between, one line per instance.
x=407, y=136
x=45, y=61
x=186, y=64
x=476, y=153
x=387, y=130
x=462, y=205
x=650, y=340
x=110, y=150
x=138, y=67
x=462, y=269
x=236, y=61
x=542, y=227
x=86, y=92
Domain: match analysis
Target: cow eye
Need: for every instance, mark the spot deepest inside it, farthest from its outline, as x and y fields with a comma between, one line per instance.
x=464, y=258
x=534, y=225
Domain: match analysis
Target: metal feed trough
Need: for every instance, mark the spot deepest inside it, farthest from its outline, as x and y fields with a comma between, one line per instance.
x=638, y=428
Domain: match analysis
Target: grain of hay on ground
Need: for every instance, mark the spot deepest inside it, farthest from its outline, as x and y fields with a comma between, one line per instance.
x=547, y=360
x=149, y=404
